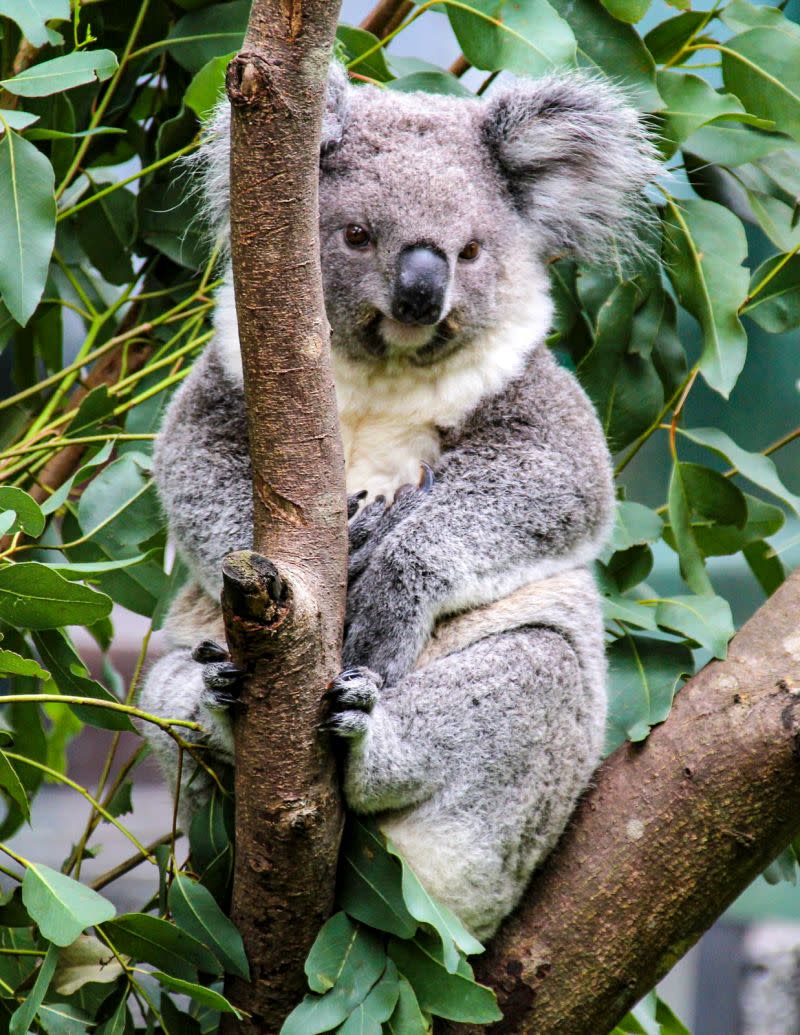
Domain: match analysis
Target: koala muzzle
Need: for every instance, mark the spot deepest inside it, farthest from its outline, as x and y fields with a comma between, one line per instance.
x=420, y=286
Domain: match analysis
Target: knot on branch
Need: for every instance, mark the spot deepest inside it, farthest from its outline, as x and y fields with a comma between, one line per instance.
x=247, y=79
x=256, y=601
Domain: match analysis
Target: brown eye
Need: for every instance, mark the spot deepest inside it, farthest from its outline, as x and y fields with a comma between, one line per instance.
x=470, y=251
x=356, y=236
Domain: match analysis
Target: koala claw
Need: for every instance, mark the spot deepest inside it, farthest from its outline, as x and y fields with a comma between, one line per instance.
x=354, y=689
x=354, y=502
x=426, y=478
x=209, y=650
x=350, y=724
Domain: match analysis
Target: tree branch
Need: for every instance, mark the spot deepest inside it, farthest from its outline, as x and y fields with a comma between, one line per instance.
x=672, y=832
x=386, y=16
x=284, y=616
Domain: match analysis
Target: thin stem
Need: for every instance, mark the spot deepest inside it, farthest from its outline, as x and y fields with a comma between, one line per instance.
x=768, y=277
x=54, y=774
x=108, y=94
x=676, y=413
x=13, y=855
x=129, y=179
x=640, y=441
x=114, y=706
x=129, y=864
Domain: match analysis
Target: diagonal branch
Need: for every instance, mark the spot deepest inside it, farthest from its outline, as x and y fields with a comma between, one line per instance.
x=672, y=832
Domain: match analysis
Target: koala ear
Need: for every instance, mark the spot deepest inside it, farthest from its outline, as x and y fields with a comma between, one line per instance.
x=576, y=158
x=336, y=108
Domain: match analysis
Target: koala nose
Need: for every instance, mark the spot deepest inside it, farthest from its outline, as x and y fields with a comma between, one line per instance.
x=420, y=286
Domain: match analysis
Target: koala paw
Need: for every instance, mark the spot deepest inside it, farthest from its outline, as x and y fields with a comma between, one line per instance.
x=352, y=696
x=222, y=679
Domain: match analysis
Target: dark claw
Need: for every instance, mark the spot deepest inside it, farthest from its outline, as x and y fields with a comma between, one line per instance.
x=353, y=503
x=426, y=478
x=223, y=675
x=208, y=650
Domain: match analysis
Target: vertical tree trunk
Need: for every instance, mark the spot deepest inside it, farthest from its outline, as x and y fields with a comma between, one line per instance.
x=284, y=616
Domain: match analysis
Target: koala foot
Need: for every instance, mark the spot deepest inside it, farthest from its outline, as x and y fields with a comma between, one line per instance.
x=221, y=678
x=352, y=696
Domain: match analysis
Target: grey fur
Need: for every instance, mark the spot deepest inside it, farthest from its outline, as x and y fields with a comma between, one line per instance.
x=476, y=712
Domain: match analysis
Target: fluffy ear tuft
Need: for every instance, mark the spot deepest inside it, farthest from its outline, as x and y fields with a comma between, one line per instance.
x=576, y=158
x=209, y=166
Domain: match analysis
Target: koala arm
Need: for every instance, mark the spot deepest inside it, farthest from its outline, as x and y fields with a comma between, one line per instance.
x=202, y=470
x=522, y=490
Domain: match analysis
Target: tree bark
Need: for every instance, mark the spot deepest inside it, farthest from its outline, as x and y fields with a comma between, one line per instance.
x=284, y=616
x=671, y=833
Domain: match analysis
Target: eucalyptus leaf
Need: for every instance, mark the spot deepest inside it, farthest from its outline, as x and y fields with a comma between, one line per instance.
x=195, y=911
x=62, y=73
x=454, y=996
x=644, y=674
x=33, y=596
x=27, y=224
x=633, y=524
x=30, y=518
x=430, y=82
x=200, y=993
x=706, y=620
x=32, y=16
x=12, y=785
x=762, y=67
x=61, y=906
x=23, y=1016
x=370, y=883
x=153, y=940
x=208, y=33
x=207, y=87
x=704, y=248
x=765, y=565
x=407, y=1018
x=368, y=1017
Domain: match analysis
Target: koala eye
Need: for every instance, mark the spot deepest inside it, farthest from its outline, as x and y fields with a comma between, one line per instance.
x=356, y=236
x=470, y=251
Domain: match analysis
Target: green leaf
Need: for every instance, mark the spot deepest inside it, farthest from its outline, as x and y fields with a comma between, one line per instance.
x=52, y=503
x=666, y=40
x=627, y=568
x=329, y=953
x=23, y=1016
x=776, y=307
x=61, y=906
x=357, y=42
x=430, y=82
x=64, y=1019
x=106, y=231
x=705, y=245
x=363, y=964
x=634, y=524
x=16, y=119
x=163, y=944
x=705, y=620
x=32, y=17
x=120, y=508
x=195, y=911
x=12, y=784
x=407, y=1018
x=62, y=73
x=630, y=11
x=740, y=15
x=644, y=675
x=725, y=143
x=712, y=496
x=532, y=40
x=717, y=540
x=692, y=102
x=623, y=384
x=456, y=997
x=121, y=803
x=208, y=33
x=119, y=1023
x=30, y=518
x=27, y=224
x=756, y=467
x=765, y=565
x=762, y=67
x=205, y=996
x=617, y=608
x=72, y=678
x=612, y=48
x=427, y=910
x=368, y=1017
x=370, y=883
x=13, y=664
x=33, y=596
x=206, y=88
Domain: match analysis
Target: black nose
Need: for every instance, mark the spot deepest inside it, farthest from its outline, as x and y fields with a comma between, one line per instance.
x=420, y=287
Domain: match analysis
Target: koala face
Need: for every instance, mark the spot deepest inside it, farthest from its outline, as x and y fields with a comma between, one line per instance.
x=422, y=251
x=438, y=214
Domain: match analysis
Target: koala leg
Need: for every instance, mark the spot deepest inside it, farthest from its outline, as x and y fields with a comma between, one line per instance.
x=474, y=763
x=199, y=685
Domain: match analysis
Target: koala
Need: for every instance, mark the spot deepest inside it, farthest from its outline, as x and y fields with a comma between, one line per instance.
x=472, y=703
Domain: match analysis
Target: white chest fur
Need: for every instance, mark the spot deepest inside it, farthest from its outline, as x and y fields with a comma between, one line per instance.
x=390, y=416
